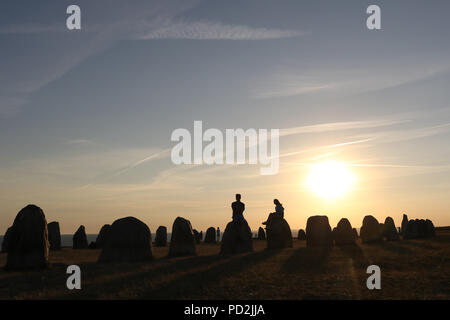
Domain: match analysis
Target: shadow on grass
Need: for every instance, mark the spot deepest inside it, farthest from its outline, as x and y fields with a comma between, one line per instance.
x=311, y=260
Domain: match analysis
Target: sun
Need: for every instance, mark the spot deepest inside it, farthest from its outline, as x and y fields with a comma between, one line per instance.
x=330, y=180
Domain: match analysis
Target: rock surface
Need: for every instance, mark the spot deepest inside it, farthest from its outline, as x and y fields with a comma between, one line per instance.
x=54, y=235
x=318, y=232
x=371, y=230
x=237, y=238
x=210, y=236
x=79, y=240
x=278, y=234
x=183, y=241
x=103, y=236
x=344, y=234
x=161, y=237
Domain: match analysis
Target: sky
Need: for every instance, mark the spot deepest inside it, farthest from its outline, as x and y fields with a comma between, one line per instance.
x=86, y=115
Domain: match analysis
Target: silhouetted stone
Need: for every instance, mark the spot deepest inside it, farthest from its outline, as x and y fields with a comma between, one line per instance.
x=404, y=224
x=129, y=240
x=318, y=232
x=92, y=245
x=301, y=234
x=103, y=236
x=79, y=240
x=210, y=236
x=182, y=242
x=278, y=234
x=390, y=231
x=6, y=240
x=430, y=228
x=355, y=233
x=161, y=237
x=237, y=238
x=370, y=230
x=197, y=236
x=28, y=245
x=411, y=230
x=201, y=235
x=54, y=235
x=344, y=234
x=261, y=234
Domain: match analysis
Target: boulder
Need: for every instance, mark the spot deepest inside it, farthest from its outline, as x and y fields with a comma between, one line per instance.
x=129, y=240
x=301, y=234
x=196, y=236
x=28, y=245
x=404, y=223
x=318, y=232
x=161, y=237
x=182, y=242
x=210, y=236
x=390, y=231
x=344, y=234
x=278, y=234
x=237, y=238
x=54, y=235
x=6, y=240
x=355, y=232
x=261, y=234
x=411, y=231
x=79, y=240
x=92, y=245
x=370, y=230
x=430, y=228
x=103, y=236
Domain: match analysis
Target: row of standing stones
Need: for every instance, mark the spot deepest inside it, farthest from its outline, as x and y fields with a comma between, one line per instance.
x=128, y=239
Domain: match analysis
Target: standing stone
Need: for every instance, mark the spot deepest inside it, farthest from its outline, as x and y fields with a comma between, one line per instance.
x=411, y=231
x=344, y=234
x=129, y=240
x=103, y=236
x=278, y=234
x=370, y=230
x=161, y=237
x=54, y=235
x=210, y=236
x=28, y=245
x=430, y=228
x=301, y=235
x=318, y=232
x=201, y=235
x=404, y=224
x=355, y=233
x=79, y=240
x=261, y=234
x=390, y=231
x=237, y=238
x=92, y=245
x=197, y=236
x=6, y=240
x=183, y=241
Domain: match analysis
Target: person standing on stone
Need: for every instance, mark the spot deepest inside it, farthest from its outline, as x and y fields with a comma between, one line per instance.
x=278, y=214
x=218, y=234
x=238, y=208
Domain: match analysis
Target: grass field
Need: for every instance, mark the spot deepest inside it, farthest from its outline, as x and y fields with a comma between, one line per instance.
x=413, y=269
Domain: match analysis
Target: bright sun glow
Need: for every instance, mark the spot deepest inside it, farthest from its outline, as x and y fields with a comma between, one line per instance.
x=330, y=180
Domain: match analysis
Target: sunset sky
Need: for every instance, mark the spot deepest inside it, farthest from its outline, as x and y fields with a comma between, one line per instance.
x=86, y=115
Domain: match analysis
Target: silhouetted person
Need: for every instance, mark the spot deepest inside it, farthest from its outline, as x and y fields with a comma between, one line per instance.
x=278, y=214
x=238, y=208
x=218, y=234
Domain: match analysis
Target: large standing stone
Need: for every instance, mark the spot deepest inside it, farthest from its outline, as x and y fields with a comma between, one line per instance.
x=301, y=235
x=237, y=238
x=79, y=240
x=210, y=236
x=103, y=236
x=430, y=228
x=390, y=231
x=318, y=232
x=370, y=230
x=278, y=234
x=54, y=235
x=182, y=242
x=28, y=240
x=6, y=240
x=261, y=234
x=411, y=231
x=161, y=237
x=404, y=224
x=129, y=240
x=196, y=236
x=344, y=234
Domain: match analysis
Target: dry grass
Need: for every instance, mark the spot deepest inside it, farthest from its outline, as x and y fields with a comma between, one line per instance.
x=413, y=269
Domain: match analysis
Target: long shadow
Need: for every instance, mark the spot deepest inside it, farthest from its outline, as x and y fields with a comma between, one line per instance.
x=396, y=247
x=186, y=285
x=311, y=260
x=355, y=253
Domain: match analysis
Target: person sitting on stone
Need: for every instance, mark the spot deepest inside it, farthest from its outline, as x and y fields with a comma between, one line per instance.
x=278, y=214
x=238, y=208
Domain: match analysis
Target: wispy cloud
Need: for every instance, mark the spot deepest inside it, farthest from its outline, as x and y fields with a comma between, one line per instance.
x=207, y=30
